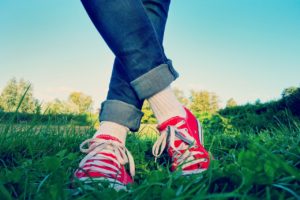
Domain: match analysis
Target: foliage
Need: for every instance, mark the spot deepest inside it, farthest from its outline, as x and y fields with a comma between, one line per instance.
x=255, y=151
x=82, y=101
x=231, y=103
x=44, y=119
x=204, y=101
x=38, y=162
x=77, y=103
x=262, y=116
x=289, y=91
x=13, y=93
x=199, y=102
x=148, y=117
x=292, y=102
x=60, y=107
x=216, y=123
x=181, y=97
x=21, y=91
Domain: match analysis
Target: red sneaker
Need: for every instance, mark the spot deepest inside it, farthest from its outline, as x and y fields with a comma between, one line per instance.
x=185, y=144
x=105, y=160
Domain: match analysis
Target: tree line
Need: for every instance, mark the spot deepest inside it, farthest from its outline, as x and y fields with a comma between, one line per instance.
x=78, y=102
x=18, y=96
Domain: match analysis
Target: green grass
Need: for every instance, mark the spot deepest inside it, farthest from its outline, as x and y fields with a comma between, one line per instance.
x=37, y=162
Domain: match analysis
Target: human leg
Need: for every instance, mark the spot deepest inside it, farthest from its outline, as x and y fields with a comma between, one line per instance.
x=119, y=101
x=148, y=70
x=129, y=33
x=120, y=91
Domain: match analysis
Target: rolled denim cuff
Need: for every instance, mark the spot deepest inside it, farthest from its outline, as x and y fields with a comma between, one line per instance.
x=155, y=80
x=121, y=113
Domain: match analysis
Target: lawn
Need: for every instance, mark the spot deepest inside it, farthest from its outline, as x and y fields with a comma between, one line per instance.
x=37, y=162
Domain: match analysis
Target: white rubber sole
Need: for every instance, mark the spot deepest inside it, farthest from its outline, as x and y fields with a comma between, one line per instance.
x=200, y=131
x=186, y=173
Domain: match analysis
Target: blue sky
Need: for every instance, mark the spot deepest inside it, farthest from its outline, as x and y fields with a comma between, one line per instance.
x=245, y=49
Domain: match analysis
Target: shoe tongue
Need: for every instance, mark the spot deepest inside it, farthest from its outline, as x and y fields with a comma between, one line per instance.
x=170, y=122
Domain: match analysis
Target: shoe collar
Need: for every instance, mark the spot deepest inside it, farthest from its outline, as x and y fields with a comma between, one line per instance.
x=173, y=121
x=170, y=122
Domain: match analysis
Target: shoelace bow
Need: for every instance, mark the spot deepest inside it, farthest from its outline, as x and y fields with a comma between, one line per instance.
x=96, y=146
x=175, y=133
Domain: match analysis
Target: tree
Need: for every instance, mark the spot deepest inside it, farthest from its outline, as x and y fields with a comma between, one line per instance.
x=83, y=102
x=61, y=107
x=148, y=117
x=292, y=101
x=204, y=101
x=180, y=96
x=231, y=103
x=77, y=103
x=1, y=107
x=214, y=102
x=9, y=96
x=288, y=91
x=13, y=93
x=257, y=102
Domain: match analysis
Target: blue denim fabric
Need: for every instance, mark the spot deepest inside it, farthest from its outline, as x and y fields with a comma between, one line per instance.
x=133, y=30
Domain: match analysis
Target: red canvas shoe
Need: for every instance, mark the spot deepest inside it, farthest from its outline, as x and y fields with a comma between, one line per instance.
x=105, y=160
x=184, y=140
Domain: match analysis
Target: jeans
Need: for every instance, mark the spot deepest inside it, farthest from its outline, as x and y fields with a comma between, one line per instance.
x=133, y=30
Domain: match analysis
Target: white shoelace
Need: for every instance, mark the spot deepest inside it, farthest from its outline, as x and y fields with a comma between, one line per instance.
x=115, y=148
x=175, y=133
